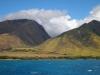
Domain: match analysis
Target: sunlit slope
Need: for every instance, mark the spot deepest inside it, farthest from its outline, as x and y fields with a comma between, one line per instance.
x=8, y=41
x=82, y=41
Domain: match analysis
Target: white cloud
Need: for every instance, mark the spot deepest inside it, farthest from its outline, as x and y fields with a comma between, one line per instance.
x=94, y=15
x=96, y=12
x=55, y=22
x=64, y=20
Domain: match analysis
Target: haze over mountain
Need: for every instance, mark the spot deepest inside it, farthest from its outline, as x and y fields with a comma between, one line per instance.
x=82, y=41
x=21, y=32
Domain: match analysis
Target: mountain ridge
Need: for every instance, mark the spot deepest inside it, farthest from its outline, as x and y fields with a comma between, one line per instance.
x=28, y=31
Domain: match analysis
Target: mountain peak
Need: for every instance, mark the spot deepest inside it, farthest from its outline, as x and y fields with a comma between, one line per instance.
x=95, y=26
x=94, y=21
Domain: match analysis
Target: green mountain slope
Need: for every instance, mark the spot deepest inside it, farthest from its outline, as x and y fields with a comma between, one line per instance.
x=82, y=41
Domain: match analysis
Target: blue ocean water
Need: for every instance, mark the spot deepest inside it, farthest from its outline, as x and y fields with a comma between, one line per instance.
x=50, y=67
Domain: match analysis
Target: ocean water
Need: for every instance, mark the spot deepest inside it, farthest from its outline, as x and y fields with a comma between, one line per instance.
x=50, y=67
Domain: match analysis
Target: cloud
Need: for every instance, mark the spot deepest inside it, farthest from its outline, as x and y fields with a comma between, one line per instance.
x=55, y=22
x=94, y=15
x=96, y=12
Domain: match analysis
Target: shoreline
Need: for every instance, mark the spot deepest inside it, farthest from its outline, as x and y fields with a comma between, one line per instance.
x=53, y=59
x=43, y=58
x=38, y=56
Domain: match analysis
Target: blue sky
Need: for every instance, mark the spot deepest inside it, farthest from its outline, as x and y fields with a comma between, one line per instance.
x=78, y=9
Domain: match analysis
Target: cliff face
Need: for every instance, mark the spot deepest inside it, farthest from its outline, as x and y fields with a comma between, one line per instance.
x=21, y=32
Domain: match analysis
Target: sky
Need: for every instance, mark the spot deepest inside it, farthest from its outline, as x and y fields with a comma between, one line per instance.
x=76, y=8
x=56, y=16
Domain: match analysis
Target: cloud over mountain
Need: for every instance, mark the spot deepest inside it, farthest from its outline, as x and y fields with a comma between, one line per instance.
x=55, y=22
x=94, y=15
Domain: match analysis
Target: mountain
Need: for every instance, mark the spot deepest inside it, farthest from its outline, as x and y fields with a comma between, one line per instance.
x=16, y=35
x=21, y=33
x=82, y=41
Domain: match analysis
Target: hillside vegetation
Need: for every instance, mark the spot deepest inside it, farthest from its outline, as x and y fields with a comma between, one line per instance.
x=82, y=42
